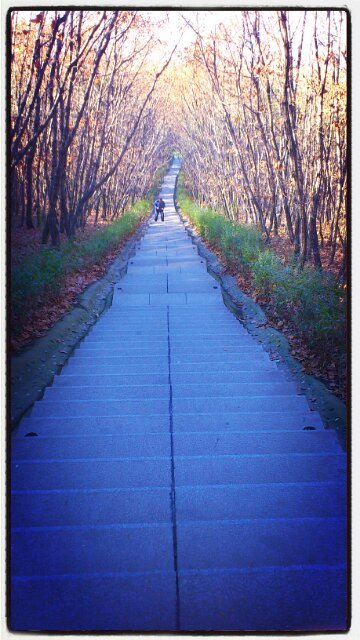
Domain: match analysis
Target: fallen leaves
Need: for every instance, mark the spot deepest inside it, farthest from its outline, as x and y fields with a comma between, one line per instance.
x=313, y=363
x=38, y=321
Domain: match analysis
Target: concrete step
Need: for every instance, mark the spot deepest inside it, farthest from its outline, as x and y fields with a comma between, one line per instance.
x=117, y=325
x=98, y=549
x=262, y=501
x=232, y=469
x=124, y=391
x=94, y=379
x=73, y=367
x=115, y=472
x=263, y=599
x=90, y=507
x=94, y=425
x=88, y=408
x=127, y=317
x=249, y=543
x=160, y=423
x=257, y=362
x=123, y=349
x=148, y=602
x=187, y=286
x=112, y=337
x=259, y=374
x=195, y=503
x=243, y=421
x=249, y=355
x=239, y=349
x=129, y=288
x=133, y=279
x=161, y=341
x=191, y=287
x=140, y=315
x=160, y=337
x=200, y=546
x=161, y=348
x=184, y=251
x=230, y=443
x=143, y=406
x=233, y=389
x=188, y=277
x=154, y=268
x=188, y=443
x=152, y=359
x=92, y=445
x=239, y=403
x=219, y=327
x=102, y=473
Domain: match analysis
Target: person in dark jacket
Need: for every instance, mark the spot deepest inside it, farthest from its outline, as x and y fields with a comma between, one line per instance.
x=159, y=206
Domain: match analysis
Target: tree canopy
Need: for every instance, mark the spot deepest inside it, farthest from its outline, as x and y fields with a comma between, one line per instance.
x=255, y=101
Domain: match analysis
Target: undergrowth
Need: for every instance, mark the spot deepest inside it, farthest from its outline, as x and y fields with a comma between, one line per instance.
x=311, y=300
x=41, y=275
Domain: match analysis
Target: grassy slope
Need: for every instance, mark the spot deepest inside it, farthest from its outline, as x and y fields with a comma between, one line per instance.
x=312, y=301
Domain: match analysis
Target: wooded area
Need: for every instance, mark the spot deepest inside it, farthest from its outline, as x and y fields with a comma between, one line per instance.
x=264, y=126
x=85, y=118
x=255, y=102
x=258, y=110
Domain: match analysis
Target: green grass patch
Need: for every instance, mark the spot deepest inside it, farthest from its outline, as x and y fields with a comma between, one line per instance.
x=312, y=301
x=41, y=275
x=240, y=244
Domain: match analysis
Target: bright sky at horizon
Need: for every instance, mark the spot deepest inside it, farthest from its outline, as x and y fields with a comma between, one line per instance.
x=175, y=24
x=209, y=20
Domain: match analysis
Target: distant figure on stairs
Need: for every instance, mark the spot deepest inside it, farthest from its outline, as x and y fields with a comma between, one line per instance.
x=159, y=206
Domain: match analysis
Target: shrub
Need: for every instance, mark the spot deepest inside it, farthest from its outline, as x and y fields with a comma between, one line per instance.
x=265, y=272
x=321, y=312
x=34, y=275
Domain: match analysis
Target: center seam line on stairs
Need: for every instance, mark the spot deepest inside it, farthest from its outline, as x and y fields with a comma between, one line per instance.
x=172, y=491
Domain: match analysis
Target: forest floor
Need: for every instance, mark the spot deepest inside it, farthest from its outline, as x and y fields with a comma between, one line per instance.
x=39, y=320
x=25, y=242
x=283, y=248
x=311, y=360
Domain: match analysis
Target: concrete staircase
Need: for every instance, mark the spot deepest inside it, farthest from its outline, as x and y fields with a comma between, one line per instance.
x=177, y=479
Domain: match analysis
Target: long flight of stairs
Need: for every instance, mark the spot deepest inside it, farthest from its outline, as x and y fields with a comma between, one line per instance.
x=177, y=479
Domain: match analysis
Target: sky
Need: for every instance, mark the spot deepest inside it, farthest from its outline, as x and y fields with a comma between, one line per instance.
x=174, y=24
x=210, y=19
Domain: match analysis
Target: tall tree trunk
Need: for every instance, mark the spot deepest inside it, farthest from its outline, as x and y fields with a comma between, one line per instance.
x=313, y=235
